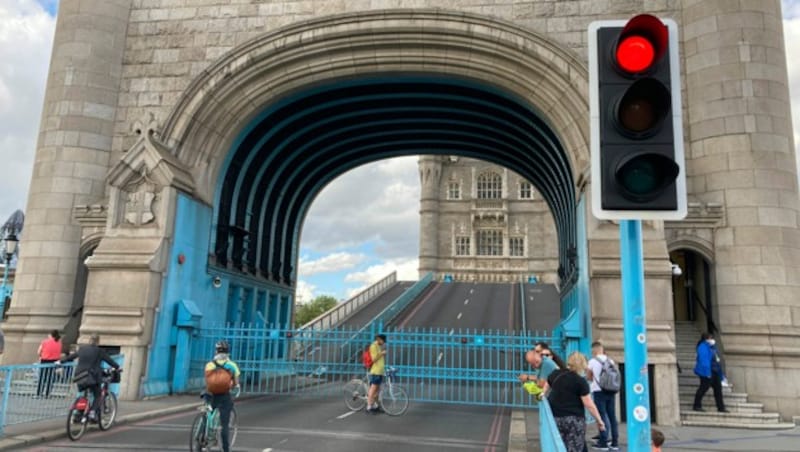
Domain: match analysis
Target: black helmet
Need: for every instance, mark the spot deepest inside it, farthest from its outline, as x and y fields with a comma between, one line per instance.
x=222, y=347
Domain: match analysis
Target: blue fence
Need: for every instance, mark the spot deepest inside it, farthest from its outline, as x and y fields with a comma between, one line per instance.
x=549, y=437
x=435, y=365
x=36, y=392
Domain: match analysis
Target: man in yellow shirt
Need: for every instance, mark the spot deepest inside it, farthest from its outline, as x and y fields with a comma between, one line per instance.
x=376, y=372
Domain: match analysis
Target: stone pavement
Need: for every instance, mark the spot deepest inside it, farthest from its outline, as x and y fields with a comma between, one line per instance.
x=18, y=436
x=680, y=438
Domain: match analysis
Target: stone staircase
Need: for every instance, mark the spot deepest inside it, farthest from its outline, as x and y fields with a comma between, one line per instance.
x=743, y=413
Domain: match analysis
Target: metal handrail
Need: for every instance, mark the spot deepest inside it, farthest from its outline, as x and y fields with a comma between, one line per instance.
x=522, y=303
x=341, y=311
x=549, y=437
x=712, y=327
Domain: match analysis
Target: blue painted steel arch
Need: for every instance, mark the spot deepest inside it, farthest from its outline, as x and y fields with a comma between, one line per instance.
x=284, y=158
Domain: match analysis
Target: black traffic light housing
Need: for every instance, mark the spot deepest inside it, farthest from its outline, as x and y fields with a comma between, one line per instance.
x=637, y=138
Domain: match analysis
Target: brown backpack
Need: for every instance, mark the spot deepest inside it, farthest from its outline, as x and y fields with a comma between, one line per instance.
x=219, y=380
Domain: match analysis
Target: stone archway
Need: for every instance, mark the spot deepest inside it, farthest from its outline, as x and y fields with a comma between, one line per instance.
x=184, y=159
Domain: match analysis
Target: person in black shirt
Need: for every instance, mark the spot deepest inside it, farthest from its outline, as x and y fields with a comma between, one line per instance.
x=90, y=359
x=568, y=397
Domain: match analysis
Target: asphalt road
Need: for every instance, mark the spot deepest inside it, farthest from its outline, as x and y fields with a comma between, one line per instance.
x=373, y=308
x=464, y=305
x=297, y=423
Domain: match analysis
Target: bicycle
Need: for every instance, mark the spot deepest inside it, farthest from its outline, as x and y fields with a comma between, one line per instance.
x=392, y=398
x=78, y=415
x=206, y=428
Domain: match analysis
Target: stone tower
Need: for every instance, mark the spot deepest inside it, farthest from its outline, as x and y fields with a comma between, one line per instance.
x=491, y=225
x=741, y=156
x=74, y=153
x=430, y=174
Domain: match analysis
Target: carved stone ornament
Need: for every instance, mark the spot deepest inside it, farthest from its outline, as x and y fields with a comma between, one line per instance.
x=140, y=198
x=142, y=174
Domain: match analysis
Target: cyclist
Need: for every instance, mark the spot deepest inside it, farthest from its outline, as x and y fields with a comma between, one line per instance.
x=376, y=372
x=88, y=372
x=222, y=375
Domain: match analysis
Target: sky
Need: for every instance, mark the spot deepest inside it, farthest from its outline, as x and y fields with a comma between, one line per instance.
x=342, y=250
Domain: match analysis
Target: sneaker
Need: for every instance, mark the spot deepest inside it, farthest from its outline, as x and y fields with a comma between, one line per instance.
x=698, y=409
x=613, y=447
x=598, y=446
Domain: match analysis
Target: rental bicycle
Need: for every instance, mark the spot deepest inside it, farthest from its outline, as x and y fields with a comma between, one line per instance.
x=392, y=398
x=78, y=416
x=206, y=428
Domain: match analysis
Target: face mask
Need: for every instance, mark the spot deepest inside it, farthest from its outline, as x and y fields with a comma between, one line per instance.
x=711, y=341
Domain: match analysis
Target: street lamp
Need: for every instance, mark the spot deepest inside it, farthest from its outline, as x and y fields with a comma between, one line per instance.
x=10, y=241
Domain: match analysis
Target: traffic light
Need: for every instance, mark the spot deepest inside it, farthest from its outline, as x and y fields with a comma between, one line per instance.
x=636, y=129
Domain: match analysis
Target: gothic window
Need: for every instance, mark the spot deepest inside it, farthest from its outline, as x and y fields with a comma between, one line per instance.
x=462, y=246
x=525, y=190
x=454, y=191
x=490, y=242
x=490, y=186
x=516, y=246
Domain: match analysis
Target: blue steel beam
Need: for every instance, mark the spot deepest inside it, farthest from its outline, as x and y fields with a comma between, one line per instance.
x=558, y=190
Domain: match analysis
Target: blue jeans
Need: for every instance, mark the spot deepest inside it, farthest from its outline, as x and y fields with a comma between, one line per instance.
x=604, y=401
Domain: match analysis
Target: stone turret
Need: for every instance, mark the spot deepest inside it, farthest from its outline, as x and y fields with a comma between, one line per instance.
x=740, y=154
x=430, y=171
x=72, y=160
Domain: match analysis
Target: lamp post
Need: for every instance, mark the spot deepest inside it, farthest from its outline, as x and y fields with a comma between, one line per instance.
x=10, y=247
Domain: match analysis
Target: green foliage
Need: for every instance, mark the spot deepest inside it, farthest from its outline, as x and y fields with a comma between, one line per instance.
x=309, y=311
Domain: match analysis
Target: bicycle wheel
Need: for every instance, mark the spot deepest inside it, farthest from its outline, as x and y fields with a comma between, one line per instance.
x=355, y=394
x=233, y=430
x=197, y=441
x=108, y=411
x=393, y=400
x=76, y=425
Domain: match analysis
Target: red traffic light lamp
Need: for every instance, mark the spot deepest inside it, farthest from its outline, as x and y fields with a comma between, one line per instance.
x=642, y=42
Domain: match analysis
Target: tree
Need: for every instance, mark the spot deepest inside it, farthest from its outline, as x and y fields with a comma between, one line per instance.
x=309, y=311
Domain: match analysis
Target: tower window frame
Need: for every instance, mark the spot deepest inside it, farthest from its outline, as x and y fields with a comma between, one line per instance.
x=490, y=242
x=490, y=185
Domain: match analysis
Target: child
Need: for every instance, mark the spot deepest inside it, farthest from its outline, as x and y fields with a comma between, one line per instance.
x=657, y=440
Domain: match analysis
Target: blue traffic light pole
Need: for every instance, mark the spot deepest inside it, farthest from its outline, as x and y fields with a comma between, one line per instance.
x=634, y=315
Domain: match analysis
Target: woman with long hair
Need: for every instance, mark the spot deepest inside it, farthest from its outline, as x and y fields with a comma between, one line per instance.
x=568, y=398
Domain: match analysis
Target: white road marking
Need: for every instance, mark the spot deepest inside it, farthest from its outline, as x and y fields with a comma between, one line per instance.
x=267, y=450
x=471, y=290
x=441, y=354
x=342, y=416
x=452, y=331
x=459, y=315
x=466, y=301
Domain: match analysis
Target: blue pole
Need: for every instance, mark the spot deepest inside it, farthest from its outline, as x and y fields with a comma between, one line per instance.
x=634, y=319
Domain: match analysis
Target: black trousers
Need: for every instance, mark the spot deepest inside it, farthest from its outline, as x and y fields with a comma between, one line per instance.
x=47, y=376
x=714, y=382
x=224, y=403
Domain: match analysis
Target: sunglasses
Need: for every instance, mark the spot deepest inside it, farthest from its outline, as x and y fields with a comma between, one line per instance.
x=547, y=355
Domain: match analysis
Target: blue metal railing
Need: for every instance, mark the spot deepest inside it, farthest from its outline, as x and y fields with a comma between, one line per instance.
x=522, y=307
x=442, y=365
x=549, y=437
x=37, y=392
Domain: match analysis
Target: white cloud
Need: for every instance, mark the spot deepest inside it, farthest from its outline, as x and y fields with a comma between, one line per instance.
x=377, y=203
x=407, y=270
x=26, y=39
x=331, y=263
x=791, y=34
x=304, y=292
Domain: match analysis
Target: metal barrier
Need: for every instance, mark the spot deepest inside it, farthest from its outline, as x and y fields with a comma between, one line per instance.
x=402, y=302
x=341, y=311
x=36, y=392
x=435, y=365
x=549, y=436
